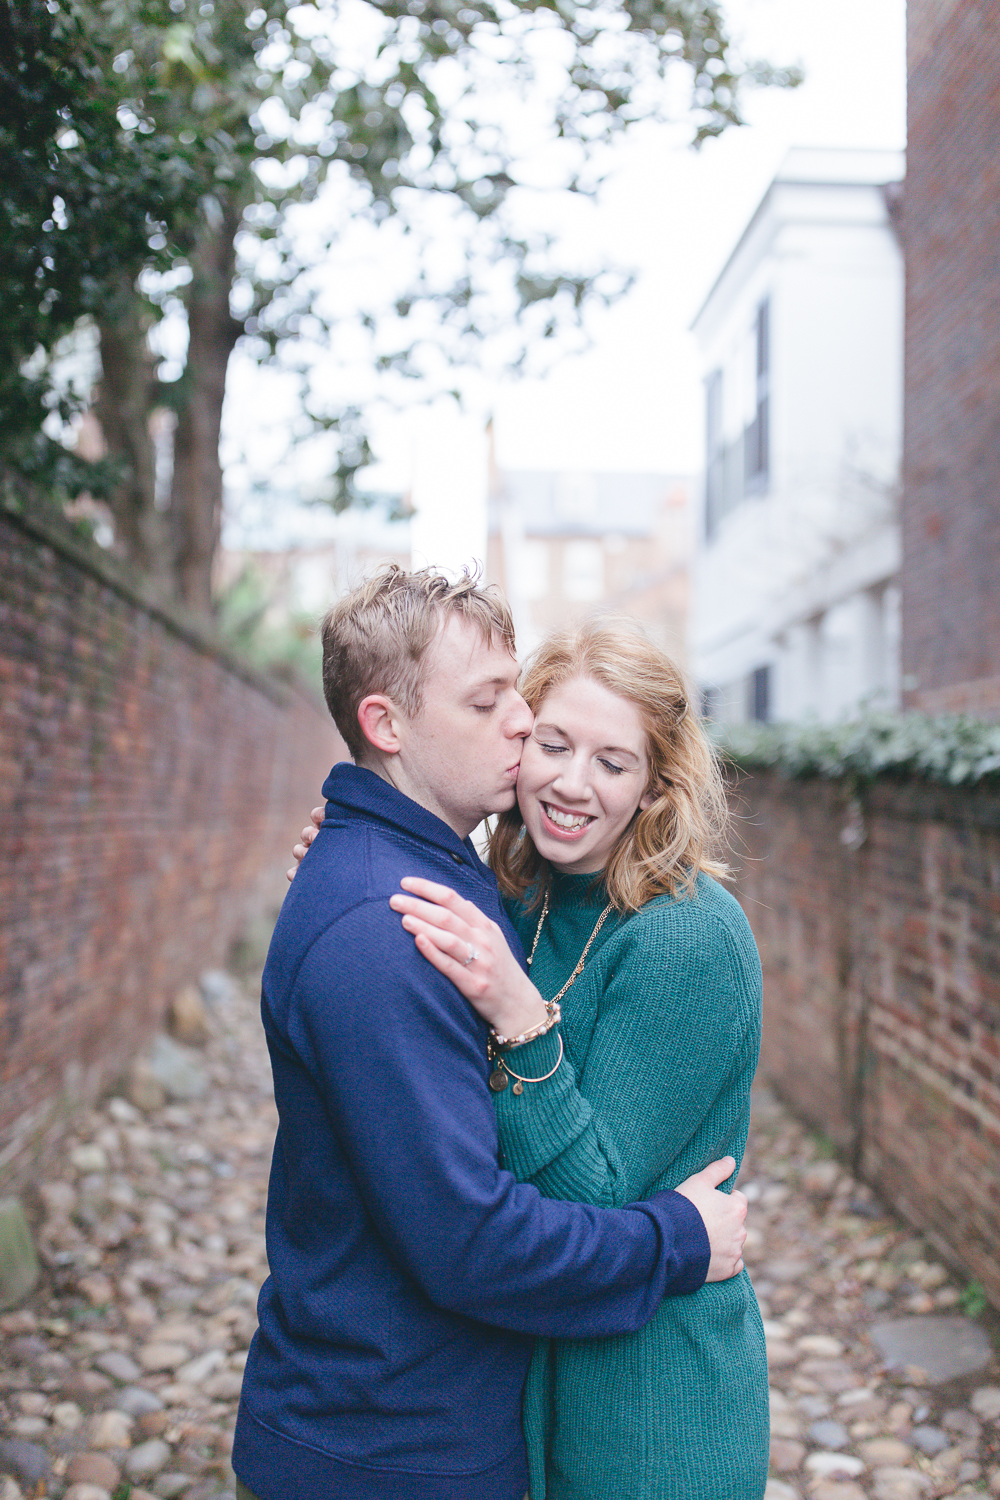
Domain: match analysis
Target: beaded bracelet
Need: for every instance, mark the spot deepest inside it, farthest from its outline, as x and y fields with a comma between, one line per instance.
x=507, y=1043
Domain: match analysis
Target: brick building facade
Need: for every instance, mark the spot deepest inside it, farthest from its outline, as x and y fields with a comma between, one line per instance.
x=951, y=229
x=149, y=790
x=876, y=915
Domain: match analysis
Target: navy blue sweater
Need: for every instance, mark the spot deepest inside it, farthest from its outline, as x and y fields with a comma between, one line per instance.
x=408, y=1270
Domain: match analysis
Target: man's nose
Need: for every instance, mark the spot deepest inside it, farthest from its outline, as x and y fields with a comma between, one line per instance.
x=521, y=721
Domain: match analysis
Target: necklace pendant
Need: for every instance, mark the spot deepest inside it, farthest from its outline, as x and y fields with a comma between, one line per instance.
x=518, y=1087
x=498, y=1079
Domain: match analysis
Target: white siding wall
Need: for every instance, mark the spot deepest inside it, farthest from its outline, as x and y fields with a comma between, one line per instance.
x=800, y=577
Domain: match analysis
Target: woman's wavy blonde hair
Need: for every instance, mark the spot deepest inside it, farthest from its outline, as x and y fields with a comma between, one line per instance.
x=666, y=845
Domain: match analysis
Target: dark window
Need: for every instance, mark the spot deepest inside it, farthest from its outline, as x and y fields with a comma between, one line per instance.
x=756, y=438
x=759, y=695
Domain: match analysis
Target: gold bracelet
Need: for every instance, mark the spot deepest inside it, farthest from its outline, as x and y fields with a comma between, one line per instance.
x=505, y=1043
x=498, y=1078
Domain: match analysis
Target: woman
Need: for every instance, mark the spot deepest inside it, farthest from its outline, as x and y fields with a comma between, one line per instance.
x=645, y=1076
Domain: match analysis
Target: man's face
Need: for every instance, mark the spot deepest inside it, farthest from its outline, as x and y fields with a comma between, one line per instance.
x=460, y=754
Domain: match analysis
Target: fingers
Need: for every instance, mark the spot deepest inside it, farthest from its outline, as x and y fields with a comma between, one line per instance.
x=317, y=815
x=443, y=895
x=299, y=849
x=466, y=983
x=446, y=942
x=718, y=1171
x=431, y=949
x=299, y=852
x=723, y=1214
x=427, y=911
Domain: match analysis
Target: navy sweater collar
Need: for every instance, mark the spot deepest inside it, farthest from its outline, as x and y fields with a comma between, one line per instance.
x=358, y=792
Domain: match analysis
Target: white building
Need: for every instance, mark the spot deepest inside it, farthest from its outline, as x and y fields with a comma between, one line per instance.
x=795, y=600
x=301, y=579
x=563, y=545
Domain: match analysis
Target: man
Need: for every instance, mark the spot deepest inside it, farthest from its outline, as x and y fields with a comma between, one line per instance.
x=408, y=1270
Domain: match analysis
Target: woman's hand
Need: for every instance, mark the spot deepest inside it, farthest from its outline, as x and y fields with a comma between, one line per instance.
x=471, y=951
x=308, y=834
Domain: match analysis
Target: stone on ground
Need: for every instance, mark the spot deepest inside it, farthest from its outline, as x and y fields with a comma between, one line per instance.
x=18, y=1260
x=177, y=1069
x=25, y=1461
x=892, y=1483
x=188, y=1017
x=943, y=1347
x=93, y=1468
x=836, y=1489
x=148, y=1459
x=118, y=1365
x=986, y=1403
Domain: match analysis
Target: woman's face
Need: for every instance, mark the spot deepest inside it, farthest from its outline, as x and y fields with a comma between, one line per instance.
x=584, y=773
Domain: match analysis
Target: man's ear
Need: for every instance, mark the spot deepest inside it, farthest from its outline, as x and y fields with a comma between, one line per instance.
x=379, y=721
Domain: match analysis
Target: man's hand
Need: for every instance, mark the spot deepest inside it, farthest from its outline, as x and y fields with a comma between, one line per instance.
x=724, y=1216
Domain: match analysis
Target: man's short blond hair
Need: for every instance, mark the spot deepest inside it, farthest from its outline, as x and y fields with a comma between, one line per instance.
x=375, y=638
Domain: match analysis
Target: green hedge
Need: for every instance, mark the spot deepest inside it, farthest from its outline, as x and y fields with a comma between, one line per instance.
x=949, y=748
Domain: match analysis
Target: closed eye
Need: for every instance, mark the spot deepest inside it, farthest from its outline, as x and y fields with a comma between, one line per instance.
x=553, y=749
x=484, y=708
x=615, y=770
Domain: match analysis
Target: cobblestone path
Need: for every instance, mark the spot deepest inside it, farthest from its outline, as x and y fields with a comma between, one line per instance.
x=829, y=1268
x=121, y=1376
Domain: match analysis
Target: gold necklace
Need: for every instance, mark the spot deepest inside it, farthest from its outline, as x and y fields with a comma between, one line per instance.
x=498, y=1077
x=583, y=956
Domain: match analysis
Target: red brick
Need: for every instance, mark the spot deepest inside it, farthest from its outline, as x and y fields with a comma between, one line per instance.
x=951, y=466
x=881, y=1013
x=150, y=798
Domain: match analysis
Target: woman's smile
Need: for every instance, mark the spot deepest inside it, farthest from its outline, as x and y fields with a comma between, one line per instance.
x=583, y=777
x=565, y=822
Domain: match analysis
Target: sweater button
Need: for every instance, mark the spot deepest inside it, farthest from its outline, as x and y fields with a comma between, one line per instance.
x=458, y=859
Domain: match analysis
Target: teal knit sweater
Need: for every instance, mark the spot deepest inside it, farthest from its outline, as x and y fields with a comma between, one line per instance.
x=661, y=1032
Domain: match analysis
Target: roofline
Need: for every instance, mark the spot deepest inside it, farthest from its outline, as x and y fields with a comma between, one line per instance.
x=778, y=181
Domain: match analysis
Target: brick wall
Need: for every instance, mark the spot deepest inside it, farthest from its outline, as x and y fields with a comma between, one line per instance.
x=878, y=921
x=149, y=789
x=951, y=466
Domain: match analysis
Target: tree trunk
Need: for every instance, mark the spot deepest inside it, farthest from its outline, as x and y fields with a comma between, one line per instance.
x=125, y=398
x=196, y=495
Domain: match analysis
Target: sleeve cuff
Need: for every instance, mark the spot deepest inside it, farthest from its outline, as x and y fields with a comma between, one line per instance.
x=681, y=1227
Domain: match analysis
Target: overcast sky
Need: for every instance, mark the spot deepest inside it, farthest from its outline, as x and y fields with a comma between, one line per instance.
x=635, y=400
x=672, y=215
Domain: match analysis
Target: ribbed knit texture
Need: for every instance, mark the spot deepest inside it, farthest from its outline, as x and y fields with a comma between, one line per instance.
x=661, y=1031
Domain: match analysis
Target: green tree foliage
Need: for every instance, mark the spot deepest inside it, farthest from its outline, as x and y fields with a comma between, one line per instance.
x=164, y=145
x=285, y=643
x=79, y=199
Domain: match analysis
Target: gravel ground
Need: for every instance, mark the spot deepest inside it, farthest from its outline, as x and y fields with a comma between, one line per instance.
x=121, y=1376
